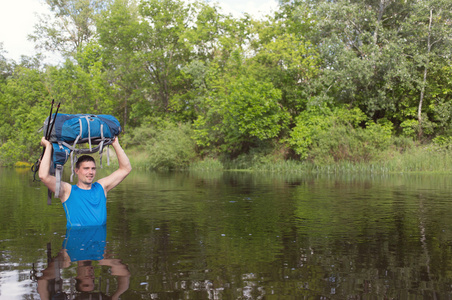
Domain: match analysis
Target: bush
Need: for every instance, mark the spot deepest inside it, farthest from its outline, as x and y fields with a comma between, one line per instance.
x=443, y=141
x=345, y=143
x=12, y=151
x=325, y=136
x=246, y=110
x=402, y=143
x=171, y=147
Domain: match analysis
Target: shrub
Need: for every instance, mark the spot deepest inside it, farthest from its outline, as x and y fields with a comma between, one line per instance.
x=326, y=136
x=246, y=110
x=345, y=143
x=171, y=147
x=12, y=151
x=443, y=142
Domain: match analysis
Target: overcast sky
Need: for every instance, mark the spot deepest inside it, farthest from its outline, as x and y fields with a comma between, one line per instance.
x=17, y=18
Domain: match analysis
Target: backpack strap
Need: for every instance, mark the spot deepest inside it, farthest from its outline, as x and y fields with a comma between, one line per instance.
x=51, y=172
x=101, y=144
x=58, y=175
x=78, y=136
x=49, y=197
x=108, y=155
x=73, y=161
x=89, y=131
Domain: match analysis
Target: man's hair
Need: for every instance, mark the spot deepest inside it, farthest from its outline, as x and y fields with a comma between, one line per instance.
x=82, y=159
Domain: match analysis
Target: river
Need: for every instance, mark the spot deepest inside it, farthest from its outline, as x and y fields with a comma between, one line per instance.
x=234, y=235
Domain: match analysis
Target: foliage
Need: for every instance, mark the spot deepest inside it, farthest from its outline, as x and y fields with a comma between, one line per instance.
x=70, y=28
x=443, y=141
x=5, y=66
x=320, y=81
x=82, y=89
x=244, y=110
x=315, y=121
x=168, y=146
x=345, y=143
x=23, y=114
x=379, y=55
x=286, y=58
x=324, y=135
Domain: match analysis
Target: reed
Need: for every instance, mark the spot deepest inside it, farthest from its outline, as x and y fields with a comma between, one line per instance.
x=138, y=159
x=208, y=164
x=425, y=159
x=430, y=159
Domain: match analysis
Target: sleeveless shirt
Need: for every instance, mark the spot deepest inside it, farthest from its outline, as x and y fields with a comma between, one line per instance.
x=86, y=207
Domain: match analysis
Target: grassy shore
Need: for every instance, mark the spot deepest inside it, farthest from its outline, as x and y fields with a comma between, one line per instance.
x=425, y=159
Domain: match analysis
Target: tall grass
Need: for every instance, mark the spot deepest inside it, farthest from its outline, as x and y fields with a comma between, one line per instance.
x=428, y=159
x=415, y=158
x=138, y=158
x=420, y=159
x=207, y=164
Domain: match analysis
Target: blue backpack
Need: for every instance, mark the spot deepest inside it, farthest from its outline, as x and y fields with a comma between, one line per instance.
x=70, y=131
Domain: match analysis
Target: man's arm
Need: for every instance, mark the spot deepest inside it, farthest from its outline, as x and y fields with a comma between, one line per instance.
x=121, y=272
x=44, y=173
x=124, y=169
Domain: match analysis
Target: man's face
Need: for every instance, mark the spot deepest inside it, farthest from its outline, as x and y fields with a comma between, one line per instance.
x=85, y=276
x=86, y=172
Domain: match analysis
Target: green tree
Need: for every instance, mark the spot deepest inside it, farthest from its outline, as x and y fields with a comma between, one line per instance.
x=5, y=66
x=119, y=30
x=376, y=55
x=24, y=108
x=164, y=49
x=212, y=38
x=70, y=27
x=284, y=56
x=81, y=89
x=429, y=37
x=241, y=113
x=361, y=57
x=151, y=50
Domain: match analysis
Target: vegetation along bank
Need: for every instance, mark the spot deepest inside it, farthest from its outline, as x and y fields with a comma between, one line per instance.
x=316, y=85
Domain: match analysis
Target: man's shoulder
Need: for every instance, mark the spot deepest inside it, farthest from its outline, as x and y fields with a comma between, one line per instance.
x=98, y=188
x=97, y=185
x=65, y=191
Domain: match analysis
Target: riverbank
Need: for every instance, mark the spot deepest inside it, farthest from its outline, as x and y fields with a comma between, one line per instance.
x=420, y=158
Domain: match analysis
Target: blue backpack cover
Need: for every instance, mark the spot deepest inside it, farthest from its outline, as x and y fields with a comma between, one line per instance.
x=72, y=130
x=81, y=127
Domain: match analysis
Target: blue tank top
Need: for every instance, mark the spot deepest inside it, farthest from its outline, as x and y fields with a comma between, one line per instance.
x=86, y=207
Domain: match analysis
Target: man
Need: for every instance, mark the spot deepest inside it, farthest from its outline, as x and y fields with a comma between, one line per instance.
x=85, y=203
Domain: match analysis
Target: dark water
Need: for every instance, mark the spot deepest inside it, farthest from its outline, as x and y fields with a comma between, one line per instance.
x=237, y=236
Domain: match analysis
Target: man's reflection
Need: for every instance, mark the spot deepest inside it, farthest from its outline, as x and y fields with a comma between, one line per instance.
x=86, y=247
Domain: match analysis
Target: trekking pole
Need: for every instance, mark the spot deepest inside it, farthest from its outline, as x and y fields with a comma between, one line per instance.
x=53, y=122
x=49, y=192
x=50, y=119
x=35, y=167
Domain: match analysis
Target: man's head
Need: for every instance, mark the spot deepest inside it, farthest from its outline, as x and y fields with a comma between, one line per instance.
x=85, y=276
x=82, y=159
x=85, y=168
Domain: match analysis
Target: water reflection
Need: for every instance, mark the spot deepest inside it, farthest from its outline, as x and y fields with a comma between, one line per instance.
x=86, y=248
x=241, y=236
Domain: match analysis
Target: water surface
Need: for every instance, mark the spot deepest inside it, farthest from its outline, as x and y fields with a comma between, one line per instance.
x=239, y=236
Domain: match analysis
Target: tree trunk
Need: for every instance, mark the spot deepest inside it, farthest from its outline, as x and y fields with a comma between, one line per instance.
x=125, y=116
x=424, y=82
